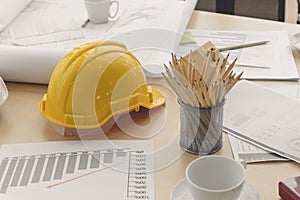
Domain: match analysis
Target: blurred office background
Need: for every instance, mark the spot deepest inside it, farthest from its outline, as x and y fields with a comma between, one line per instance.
x=279, y=10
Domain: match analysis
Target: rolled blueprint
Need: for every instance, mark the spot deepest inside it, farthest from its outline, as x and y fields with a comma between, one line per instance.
x=29, y=64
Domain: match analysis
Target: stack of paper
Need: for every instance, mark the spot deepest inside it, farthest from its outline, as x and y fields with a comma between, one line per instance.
x=251, y=153
x=151, y=30
x=264, y=118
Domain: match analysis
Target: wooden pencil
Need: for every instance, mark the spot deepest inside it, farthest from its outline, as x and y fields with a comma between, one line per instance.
x=243, y=46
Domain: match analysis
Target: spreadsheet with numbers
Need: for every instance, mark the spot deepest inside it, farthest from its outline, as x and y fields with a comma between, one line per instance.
x=95, y=169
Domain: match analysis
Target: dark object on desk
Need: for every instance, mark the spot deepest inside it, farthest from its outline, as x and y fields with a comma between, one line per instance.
x=289, y=189
x=298, y=20
x=85, y=23
x=266, y=9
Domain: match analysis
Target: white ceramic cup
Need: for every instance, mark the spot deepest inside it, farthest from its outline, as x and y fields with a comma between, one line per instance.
x=99, y=10
x=216, y=177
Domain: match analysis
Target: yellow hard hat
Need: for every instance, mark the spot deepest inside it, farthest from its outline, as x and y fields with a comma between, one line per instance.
x=93, y=83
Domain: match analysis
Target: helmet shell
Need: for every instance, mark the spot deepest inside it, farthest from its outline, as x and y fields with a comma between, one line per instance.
x=94, y=82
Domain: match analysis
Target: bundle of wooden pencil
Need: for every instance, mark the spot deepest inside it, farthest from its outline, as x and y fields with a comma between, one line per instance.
x=202, y=78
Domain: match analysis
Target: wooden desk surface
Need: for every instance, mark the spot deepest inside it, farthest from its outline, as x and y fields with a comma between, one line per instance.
x=21, y=122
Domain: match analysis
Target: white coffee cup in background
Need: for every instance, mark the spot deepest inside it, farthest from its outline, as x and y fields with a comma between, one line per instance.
x=216, y=177
x=99, y=11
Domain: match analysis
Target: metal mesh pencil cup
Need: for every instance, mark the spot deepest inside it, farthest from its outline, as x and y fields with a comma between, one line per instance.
x=201, y=128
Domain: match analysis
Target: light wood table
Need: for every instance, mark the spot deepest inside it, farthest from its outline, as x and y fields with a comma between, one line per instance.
x=21, y=122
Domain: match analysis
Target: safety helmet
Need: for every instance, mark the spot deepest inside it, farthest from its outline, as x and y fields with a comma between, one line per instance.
x=94, y=82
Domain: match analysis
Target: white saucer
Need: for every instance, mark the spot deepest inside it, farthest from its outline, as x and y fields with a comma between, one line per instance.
x=181, y=192
x=295, y=40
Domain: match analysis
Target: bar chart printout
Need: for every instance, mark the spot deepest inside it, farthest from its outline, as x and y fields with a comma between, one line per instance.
x=96, y=169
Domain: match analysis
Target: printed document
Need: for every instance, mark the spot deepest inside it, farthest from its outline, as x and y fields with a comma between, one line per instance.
x=251, y=153
x=92, y=169
x=10, y=9
x=264, y=118
x=45, y=22
x=271, y=61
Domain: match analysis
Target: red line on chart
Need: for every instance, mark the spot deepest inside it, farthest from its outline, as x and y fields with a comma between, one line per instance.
x=83, y=175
